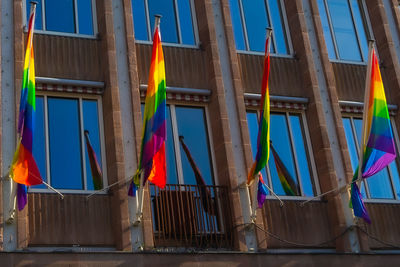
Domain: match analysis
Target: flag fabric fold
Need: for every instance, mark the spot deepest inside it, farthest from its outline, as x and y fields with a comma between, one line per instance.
x=263, y=123
x=378, y=144
x=152, y=154
x=288, y=183
x=95, y=169
x=262, y=191
x=24, y=170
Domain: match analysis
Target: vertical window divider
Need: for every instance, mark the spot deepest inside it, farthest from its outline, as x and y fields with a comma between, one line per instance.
x=357, y=31
x=149, y=32
x=46, y=134
x=178, y=24
x=296, y=164
x=82, y=137
x=391, y=182
x=211, y=144
x=175, y=135
x=328, y=16
x=286, y=25
x=396, y=138
x=310, y=154
x=94, y=17
x=194, y=21
x=44, y=15
x=267, y=9
x=102, y=140
x=246, y=40
x=76, y=16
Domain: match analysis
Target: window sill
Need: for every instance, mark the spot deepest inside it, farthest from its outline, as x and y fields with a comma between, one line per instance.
x=381, y=201
x=67, y=191
x=348, y=62
x=294, y=198
x=169, y=44
x=255, y=53
x=64, y=34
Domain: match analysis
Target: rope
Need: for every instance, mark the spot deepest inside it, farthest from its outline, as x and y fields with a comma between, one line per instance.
x=320, y=244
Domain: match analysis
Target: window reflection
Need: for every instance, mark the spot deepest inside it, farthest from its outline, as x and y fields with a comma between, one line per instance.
x=65, y=140
x=289, y=143
x=177, y=21
x=66, y=16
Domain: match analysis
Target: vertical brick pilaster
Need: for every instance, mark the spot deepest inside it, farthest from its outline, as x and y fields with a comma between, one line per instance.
x=219, y=121
x=137, y=117
x=113, y=127
x=323, y=154
x=1, y=155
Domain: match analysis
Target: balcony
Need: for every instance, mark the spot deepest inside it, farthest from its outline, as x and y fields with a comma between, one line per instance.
x=191, y=216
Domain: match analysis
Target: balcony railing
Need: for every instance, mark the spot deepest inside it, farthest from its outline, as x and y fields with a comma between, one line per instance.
x=191, y=216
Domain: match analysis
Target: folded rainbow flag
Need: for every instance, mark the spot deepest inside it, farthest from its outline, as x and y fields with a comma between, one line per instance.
x=378, y=144
x=24, y=170
x=288, y=184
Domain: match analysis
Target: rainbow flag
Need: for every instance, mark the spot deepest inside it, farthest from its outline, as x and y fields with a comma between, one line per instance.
x=152, y=154
x=24, y=170
x=264, y=122
x=262, y=191
x=378, y=144
x=288, y=184
x=97, y=175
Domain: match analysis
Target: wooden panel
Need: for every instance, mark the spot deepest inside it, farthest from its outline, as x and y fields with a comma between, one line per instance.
x=285, y=75
x=350, y=81
x=184, y=67
x=384, y=226
x=72, y=221
x=67, y=57
x=306, y=225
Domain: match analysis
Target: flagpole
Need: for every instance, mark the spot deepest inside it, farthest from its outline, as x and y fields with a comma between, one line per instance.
x=139, y=212
x=371, y=43
x=253, y=214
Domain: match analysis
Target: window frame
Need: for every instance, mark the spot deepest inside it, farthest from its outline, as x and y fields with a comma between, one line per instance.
x=102, y=157
x=66, y=34
x=179, y=31
x=368, y=31
x=285, y=25
x=309, y=151
x=368, y=199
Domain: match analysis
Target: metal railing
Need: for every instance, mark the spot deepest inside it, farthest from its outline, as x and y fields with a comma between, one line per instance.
x=191, y=216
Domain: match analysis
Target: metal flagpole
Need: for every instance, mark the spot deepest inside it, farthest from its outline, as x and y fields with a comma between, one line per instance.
x=254, y=203
x=139, y=212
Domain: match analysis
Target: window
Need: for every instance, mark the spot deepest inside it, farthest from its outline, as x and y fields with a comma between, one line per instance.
x=60, y=147
x=177, y=22
x=288, y=138
x=383, y=185
x=189, y=122
x=249, y=20
x=344, y=29
x=65, y=16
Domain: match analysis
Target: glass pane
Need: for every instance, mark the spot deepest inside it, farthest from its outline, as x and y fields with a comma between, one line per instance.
x=351, y=143
x=91, y=124
x=237, y=25
x=192, y=126
x=39, y=141
x=65, y=157
x=165, y=8
x=85, y=17
x=302, y=158
x=186, y=22
x=256, y=21
x=396, y=178
x=343, y=27
x=252, y=123
x=379, y=185
x=279, y=30
x=172, y=175
x=60, y=15
x=327, y=30
x=139, y=20
x=38, y=19
x=281, y=142
x=360, y=27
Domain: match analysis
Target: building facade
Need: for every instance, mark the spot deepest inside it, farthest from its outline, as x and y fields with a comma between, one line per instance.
x=92, y=59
